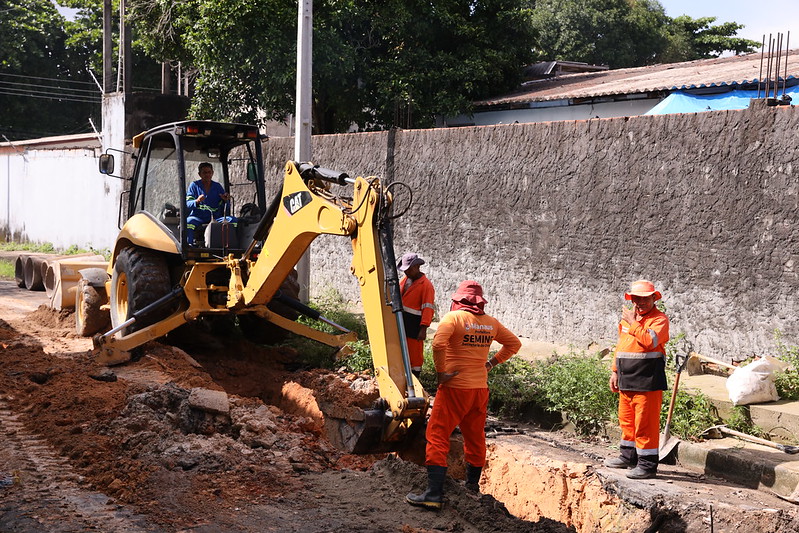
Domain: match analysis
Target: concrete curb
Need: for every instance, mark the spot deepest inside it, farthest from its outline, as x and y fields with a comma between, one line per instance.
x=747, y=464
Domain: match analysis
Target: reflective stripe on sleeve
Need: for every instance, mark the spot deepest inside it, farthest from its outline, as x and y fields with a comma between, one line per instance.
x=428, y=306
x=654, y=336
x=638, y=355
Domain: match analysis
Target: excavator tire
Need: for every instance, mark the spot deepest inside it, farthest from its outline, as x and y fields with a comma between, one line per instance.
x=259, y=330
x=89, y=317
x=140, y=277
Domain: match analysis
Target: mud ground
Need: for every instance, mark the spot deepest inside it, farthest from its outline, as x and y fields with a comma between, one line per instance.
x=84, y=448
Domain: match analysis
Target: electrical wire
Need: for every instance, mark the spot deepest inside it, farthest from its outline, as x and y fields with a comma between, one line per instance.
x=62, y=91
x=62, y=80
x=48, y=96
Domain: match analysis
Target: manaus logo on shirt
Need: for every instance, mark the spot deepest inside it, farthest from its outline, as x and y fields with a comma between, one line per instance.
x=481, y=335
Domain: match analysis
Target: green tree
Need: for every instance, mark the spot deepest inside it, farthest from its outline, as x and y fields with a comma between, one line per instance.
x=618, y=33
x=691, y=39
x=377, y=64
x=44, y=87
x=628, y=33
x=85, y=38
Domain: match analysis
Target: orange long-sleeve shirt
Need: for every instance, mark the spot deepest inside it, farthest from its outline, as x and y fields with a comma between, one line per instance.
x=640, y=357
x=418, y=298
x=462, y=342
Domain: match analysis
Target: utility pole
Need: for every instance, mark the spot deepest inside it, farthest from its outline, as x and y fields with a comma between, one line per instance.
x=302, y=132
x=108, y=49
x=127, y=52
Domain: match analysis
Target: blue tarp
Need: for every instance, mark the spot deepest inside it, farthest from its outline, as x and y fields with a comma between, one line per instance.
x=682, y=102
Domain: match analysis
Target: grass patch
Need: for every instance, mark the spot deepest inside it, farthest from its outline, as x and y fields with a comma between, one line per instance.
x=45, y=248
x=48, y=248
x=6, y=269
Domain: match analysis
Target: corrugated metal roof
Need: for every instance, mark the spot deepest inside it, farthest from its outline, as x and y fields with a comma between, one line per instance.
x=77, y=140
x=735, y=71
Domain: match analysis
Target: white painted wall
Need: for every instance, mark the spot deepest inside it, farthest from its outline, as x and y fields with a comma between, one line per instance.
x=57, y=195
x=557, y=110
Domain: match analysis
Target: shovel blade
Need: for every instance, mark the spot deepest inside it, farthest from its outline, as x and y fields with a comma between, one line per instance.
x=667, y=445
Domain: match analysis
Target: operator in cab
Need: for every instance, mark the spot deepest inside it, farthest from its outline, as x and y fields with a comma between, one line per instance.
x=205, y=199
x=460, y=350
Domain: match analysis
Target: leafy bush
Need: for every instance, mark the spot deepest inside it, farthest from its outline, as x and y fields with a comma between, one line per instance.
x=333, y=307
x=693, y=414
x=361, y=358
x=46, y=248
x=741, y=420
x=787, y=381
x=577, y=385
x=513, y=389
x=315, y=354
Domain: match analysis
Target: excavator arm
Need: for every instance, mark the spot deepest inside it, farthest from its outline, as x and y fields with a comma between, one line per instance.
x=306, y=210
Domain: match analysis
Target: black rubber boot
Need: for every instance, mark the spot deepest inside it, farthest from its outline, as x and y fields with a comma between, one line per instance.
x=417, y=373
x=473, y=477
x=433, y=497
x=647, y=467
x=627, y=458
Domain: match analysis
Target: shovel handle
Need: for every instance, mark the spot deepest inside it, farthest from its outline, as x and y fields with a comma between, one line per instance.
x=782, y=447
x=673, y=398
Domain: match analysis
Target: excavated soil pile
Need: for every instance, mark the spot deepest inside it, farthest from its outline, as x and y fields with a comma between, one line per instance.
x=130, y=448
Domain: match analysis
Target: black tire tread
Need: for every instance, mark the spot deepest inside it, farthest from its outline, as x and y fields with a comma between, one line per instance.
x=148, y=280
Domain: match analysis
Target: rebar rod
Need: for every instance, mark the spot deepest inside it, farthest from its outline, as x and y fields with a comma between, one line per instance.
x=787, y=49
x=760, y=76
x=768, y=66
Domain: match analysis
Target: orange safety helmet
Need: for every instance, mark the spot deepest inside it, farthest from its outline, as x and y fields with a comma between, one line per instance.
x=642, y=287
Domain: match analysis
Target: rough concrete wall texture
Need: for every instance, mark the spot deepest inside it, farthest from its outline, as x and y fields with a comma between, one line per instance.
x=556, y=219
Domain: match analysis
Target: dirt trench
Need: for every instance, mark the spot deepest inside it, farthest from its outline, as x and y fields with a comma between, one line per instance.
x=128, y=449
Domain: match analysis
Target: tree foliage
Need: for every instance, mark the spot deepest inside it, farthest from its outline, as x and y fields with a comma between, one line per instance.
x=376, y=64
x=691, y=39
x=628, y=33
x=393, y=62
x=44, y=87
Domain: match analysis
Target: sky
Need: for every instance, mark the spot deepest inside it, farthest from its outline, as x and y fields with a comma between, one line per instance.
x=759, y=16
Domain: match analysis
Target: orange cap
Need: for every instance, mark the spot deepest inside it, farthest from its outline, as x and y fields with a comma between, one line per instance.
x=642, y=287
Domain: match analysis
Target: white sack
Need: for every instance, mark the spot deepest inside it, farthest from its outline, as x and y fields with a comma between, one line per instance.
x=753, y=383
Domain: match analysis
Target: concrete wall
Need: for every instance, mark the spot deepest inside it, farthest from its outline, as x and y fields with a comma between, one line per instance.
x=56, y=194
x=555, y=219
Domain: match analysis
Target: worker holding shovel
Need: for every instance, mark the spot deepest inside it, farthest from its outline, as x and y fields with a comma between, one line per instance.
x=639, y=377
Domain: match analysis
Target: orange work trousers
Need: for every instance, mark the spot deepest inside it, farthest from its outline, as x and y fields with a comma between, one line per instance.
x=457, y=407
x=639, y=418
x=415, y=352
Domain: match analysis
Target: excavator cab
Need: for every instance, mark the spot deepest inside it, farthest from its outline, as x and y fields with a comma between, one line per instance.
x=166, y=164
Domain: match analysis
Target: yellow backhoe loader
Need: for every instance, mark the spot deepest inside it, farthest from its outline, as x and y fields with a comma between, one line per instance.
x=156, y=282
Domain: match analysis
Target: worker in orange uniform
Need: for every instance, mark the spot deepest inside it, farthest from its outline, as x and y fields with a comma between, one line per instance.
x=418, y=306
x=639, y=376
x=460, y=352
